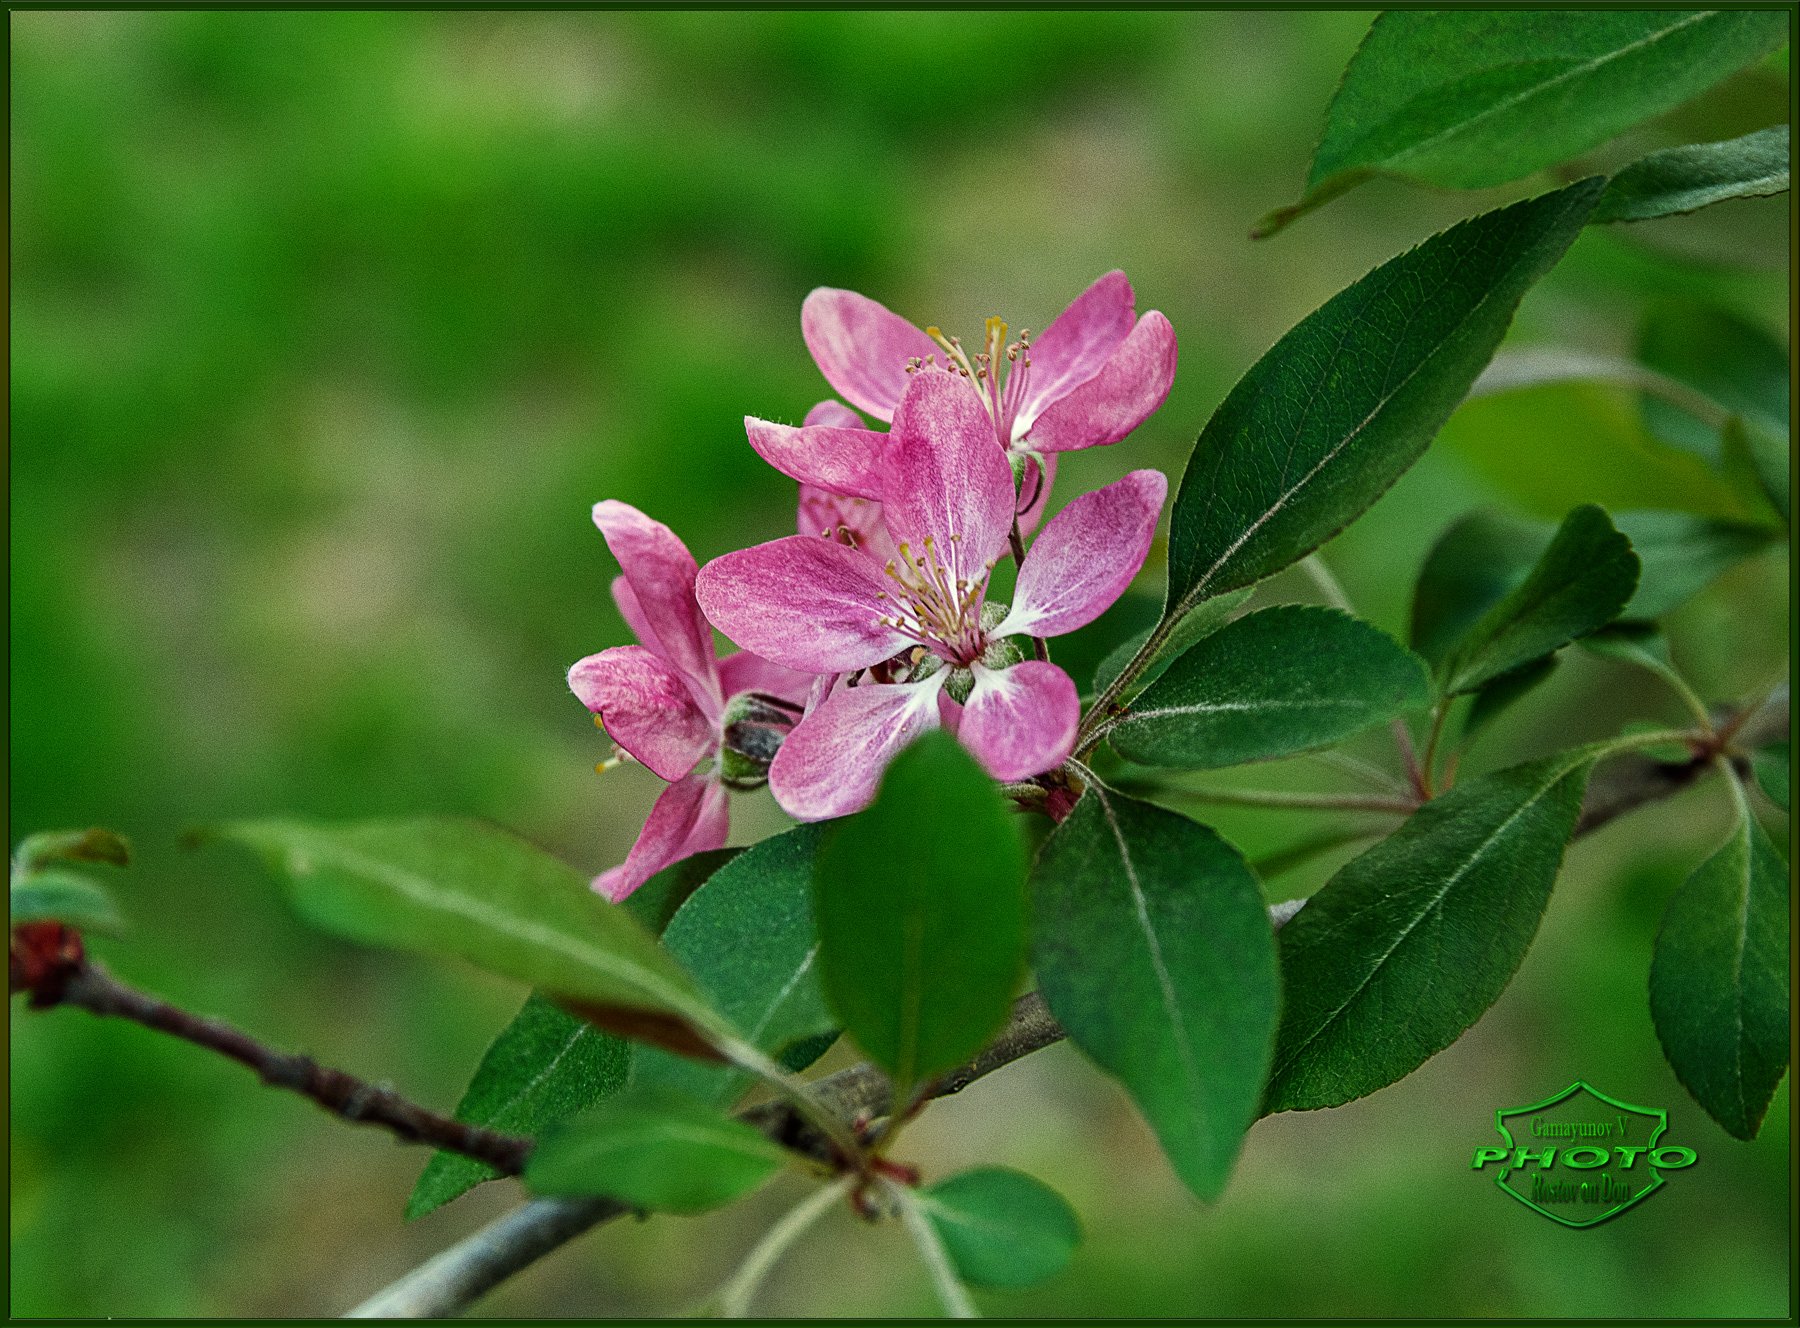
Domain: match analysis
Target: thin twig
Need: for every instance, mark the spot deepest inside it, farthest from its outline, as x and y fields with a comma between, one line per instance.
x=462, y=1274
x=94, y=989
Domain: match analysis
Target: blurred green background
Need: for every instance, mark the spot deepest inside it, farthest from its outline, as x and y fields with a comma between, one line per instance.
x=328, y=329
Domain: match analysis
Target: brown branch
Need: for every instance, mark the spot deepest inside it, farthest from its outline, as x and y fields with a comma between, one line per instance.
x=87, y=984
x=468, y=1270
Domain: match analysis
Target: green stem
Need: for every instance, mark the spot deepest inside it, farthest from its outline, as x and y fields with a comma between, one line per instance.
x=1039, y=647
x=1372, y=775
x=732, y=1301
x=1106, y=708
x=1340, y=802
x=1676, y=683
x=1329, y=586
x=821, y=1118
x=937, y=1261
x=1428, y=763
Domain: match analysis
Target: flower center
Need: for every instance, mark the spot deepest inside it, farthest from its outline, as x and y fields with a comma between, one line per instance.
x=999, y=373
x=933, y=605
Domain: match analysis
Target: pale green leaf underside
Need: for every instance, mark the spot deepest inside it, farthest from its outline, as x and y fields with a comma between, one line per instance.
x=657, y=1151
x=1001, y=1228
x=1686, y=179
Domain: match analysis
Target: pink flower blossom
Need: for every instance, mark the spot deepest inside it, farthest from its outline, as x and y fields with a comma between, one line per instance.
x=704, y=724
x=1094, y=375
x=919, y=630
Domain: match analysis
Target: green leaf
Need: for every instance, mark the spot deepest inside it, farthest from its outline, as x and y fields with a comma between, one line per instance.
x=53, y=894
x=656, y=1151
x=1681, y=554
x=1772, y=767
x=545, y=1066
x=1578, y=585
x=1686, y=179
x=1200, y=621
x=921, y=911
x=1498, y=695
x=478, y=893
x=1719, y=979
x=1346, y=401
x=1000, y=1227
x=47, y=846
x=748, y=938
x=1469, y=98
x=1153, y=949
x=1476, y=563
x=1408, y=944
x=1726, y=360
x=655, y=901
x=1282, y=680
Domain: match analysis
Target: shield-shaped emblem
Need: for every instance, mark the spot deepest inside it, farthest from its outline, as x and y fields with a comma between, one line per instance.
x=1580, y=1157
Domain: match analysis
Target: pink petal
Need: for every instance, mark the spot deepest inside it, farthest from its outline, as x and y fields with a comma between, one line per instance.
x=646, y=707
x=853, y=521
x=1086, y=556
x=802, y=602
x=661, y=571
x=946, y=477
x=690, y=816
x=1021, y=721
x=745, y=672
x=633, y=614
x=832, y=762
x=1034, y=490
x=861, y=348
x=842, y=460
x=1081, y=340
x=833, y=413
x=1114, y=401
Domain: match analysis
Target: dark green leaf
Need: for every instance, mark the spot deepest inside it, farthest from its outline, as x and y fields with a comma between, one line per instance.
x=1722, y=357
x=1681, y=554
x=748, y=938
x=54, y=894
x=1469, y=98
x=1773, y=770
x=95, y=845
x=1152, y=947
x=656, y=1151
x=475, y=892
x=1343, y=404
x=1719, y=979
x=1282, y=680
x=1474, y=565
x=1001, y=1228
x=654, y=902
x=545, y=1066
x=1687, y=179
x=921, y=911
x=1498, y=695
x=1578, y=585
x=1200, y=621
x=1409, y=943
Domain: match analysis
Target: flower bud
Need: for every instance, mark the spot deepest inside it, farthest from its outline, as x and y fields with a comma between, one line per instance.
x=754, y=727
